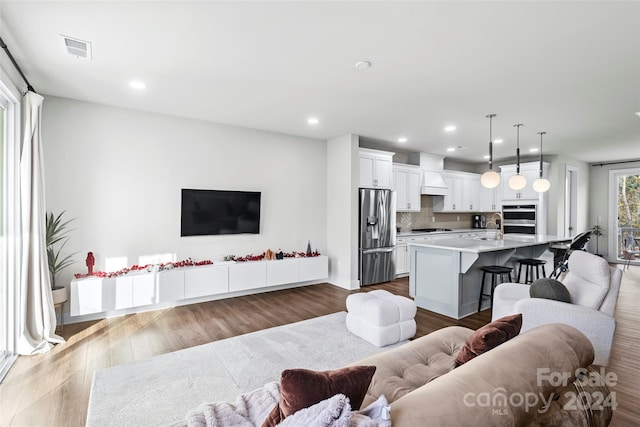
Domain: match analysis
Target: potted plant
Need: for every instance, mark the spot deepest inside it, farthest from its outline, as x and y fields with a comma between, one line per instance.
x=597, y=231
x=57, y=235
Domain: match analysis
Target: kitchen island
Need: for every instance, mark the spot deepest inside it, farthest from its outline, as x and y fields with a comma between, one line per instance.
x=444, y=274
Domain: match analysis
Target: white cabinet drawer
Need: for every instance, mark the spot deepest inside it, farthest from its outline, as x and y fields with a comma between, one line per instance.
x=170, y=286
x=315, y=268
x=203, y=281
x=247, y=275
x=284, y=271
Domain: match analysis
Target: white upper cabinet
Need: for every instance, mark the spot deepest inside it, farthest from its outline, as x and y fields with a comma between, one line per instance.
x=464, y=193
x=375, y=168
x=406, y=184
x=490, y=200
x=531, y=171
x=471, y=192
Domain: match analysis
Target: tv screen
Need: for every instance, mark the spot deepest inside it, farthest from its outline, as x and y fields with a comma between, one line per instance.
x=212, y=212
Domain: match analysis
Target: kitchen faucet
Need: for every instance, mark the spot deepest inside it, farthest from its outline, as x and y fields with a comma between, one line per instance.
x=500, y=230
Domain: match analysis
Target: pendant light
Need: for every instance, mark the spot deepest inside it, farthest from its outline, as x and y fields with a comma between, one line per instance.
x=490, y=178
x=517, y=181
x=541, y=184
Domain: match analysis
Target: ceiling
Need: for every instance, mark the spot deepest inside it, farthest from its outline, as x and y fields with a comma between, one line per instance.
x=569, y=68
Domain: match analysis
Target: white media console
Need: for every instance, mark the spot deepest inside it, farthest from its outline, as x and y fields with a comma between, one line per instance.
x=94, y=297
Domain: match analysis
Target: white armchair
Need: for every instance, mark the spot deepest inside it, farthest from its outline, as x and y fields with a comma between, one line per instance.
x=593, y=286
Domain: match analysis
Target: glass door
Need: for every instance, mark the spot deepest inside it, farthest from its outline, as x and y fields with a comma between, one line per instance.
x=9, y=222
x=626, y=241
x=3, y=285
x=6, y=355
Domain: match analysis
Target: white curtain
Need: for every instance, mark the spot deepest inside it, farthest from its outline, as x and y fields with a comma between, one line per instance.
x=37, y=316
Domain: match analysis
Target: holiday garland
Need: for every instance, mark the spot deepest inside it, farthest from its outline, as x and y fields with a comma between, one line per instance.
x=261, y=256
x=189, y=263
x=148, y=268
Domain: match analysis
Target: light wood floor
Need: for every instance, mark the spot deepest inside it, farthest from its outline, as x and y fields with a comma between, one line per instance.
x=52, y=389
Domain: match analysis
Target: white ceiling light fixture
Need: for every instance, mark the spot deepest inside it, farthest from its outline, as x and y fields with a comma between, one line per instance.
x=137, y=85
x=313, y=120
x=402, y=139
x=498, y=141
x=517, y=181
x=76, y=47
x=638, y=114
x=541, y=184
x=457, y=147
x=533, y=150
x=363, y=65
x=490, y=179
x=449, y=128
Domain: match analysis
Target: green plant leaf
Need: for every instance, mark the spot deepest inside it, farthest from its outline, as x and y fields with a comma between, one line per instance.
x=57, y=232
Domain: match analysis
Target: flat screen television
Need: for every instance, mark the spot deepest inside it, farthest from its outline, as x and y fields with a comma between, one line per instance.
x=213, y=212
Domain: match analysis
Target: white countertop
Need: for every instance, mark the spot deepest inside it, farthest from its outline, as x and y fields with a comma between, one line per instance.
x=425, y=233
x=485, y=244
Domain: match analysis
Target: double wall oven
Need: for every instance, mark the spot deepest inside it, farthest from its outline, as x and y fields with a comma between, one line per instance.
x=520, y=219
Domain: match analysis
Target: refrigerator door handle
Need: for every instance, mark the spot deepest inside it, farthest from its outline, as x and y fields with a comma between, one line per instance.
x=377, y=250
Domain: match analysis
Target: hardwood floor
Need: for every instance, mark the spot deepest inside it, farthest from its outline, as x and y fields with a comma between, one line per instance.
x=52, y=389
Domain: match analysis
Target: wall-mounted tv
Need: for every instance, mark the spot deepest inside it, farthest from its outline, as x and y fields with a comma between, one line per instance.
x=212, y=212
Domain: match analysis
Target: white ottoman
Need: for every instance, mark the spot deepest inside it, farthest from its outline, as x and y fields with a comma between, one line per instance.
x=381, y=317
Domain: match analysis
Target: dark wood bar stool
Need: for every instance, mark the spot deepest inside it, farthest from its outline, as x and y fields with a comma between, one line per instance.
x=529, y=264
x=494, y=270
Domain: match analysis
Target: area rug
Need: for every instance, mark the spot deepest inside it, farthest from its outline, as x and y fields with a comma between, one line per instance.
x=163, y=389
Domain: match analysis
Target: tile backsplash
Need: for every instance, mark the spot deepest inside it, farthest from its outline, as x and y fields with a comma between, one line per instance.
x=423, y=219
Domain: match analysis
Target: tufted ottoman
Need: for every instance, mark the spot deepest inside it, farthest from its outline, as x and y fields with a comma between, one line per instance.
x=381, y=317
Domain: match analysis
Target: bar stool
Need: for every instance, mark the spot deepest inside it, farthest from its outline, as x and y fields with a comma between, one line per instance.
x=494, y=270
x=529, y=264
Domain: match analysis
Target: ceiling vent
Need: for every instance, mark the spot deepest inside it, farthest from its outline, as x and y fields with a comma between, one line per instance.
x=76, y=47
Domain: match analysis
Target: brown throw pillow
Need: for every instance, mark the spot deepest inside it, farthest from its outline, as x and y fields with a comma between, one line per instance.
x=489, y=336
x=301, y=388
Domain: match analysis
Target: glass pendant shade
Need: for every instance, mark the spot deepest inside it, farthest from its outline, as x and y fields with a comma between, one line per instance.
x=490, y=179
x=517, y=182
x=541, y=185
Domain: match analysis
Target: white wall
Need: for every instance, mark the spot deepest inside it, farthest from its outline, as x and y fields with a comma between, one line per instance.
x=557, y=193
x=342, y=211
x=119, y=173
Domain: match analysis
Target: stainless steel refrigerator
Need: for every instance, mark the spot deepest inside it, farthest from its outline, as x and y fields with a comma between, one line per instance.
x=377, y=236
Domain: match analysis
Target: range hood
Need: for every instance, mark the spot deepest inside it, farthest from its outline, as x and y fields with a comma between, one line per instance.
x=432, y=166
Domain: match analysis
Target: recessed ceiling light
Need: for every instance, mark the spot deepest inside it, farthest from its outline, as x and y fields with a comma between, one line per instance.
x=638, y=114
x=486, y=156
x=533, y=150
x=451, y=149
x=449, y=128
x=402, y=139
x=498, y=141
x=363, y=65
x=138, y=85
x=313, y=121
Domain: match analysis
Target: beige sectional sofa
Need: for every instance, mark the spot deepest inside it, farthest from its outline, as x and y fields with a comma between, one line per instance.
x=527, y=381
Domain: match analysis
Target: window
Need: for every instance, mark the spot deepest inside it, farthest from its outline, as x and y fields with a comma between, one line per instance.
x=625, y=185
